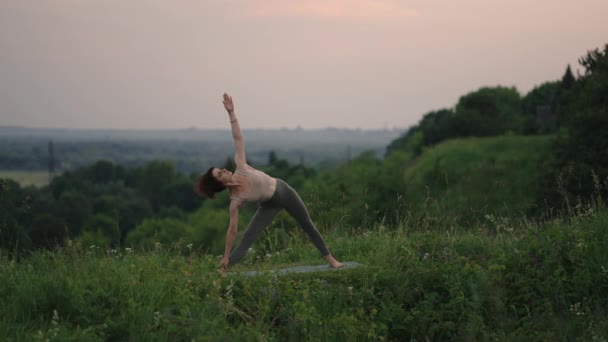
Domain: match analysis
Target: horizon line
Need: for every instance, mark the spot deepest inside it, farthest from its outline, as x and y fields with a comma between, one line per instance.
x=196, y=128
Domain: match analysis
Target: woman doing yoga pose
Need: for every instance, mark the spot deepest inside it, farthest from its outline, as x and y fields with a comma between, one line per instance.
x=247, y=184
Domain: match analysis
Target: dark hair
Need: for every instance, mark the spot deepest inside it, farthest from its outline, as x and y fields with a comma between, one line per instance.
x=207, y=185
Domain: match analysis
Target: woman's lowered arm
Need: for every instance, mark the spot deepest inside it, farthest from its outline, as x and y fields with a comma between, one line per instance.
x=237, y=135
x=231, y=233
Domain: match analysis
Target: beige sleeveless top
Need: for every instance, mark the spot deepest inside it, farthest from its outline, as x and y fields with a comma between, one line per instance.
x=259, y=186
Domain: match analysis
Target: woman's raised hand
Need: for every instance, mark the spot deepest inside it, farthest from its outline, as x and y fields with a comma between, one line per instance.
x=228, y=103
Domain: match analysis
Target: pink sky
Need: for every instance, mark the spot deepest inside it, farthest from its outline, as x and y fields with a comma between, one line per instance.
x=313, y=63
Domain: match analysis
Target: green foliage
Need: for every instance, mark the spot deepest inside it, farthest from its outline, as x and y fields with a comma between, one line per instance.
x=76, y=208
x=209, y=228
x=89, y=238
x=47, y=231
x=103, y=197
x=12, y=235
x=296, y=175
x=437, y=126
x=544, y=96
x=342, y=196
x=580, y=153
x=151, y=232
x=488, y=112
x=105, y=225
x=568, y=79
x=179, y=193
x=153, y=179
x=103, y=172
x=505, y=280
x=470, y=178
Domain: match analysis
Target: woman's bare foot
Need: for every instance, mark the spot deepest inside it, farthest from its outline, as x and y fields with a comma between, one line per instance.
x=333, y=262
x=224, y=266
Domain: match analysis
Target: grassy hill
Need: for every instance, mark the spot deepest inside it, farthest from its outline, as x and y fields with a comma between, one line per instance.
x=475, y=177
x=424, y=278
x=520, y=282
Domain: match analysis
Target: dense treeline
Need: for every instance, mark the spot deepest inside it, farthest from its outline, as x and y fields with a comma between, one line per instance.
x=108, y=205
x=101, y=203
x=573, y=109
x=495, y=153
x=492, y=111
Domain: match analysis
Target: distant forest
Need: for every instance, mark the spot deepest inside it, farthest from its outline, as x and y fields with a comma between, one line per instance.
x=190, y=150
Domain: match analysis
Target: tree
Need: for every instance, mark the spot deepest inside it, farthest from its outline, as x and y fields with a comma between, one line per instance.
x=564, y=104
x=75, y=209
x=583, y=147
x=47, y=231
x=437, y=126
x=102, y=172
x=488, y=111
x=132, y=212
x=154, y=178
x=67, y=181
x=209, y=226
x=568, y=79
x=179, y=193
x=13, y=204
x=106, y=225
x=541, y=100
x=272, y=157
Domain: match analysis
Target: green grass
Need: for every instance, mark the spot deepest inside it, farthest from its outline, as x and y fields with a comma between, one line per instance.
x=501, y=173
x=505, y=280
x=25, y=178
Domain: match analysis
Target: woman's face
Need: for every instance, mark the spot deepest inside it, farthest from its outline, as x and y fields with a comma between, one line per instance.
x=222, y=175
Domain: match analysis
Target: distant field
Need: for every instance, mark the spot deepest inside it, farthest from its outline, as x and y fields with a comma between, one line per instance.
x=24, y=178
x=189, y=150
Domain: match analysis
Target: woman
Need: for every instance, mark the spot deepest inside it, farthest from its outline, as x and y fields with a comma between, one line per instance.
x=247, y=184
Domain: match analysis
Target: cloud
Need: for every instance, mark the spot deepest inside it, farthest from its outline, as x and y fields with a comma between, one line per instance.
x=328, y=9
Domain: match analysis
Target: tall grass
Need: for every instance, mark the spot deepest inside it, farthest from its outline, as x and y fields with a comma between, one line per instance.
x=474, y=176
x=503, y=279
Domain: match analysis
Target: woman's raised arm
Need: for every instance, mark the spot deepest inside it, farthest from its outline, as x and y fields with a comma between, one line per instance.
x=237, y=135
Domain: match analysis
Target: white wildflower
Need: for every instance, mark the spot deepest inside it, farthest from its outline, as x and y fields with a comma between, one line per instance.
x=55, y=318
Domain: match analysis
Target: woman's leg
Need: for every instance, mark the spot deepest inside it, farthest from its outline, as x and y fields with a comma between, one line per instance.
x=259, y=222
x=297, y=209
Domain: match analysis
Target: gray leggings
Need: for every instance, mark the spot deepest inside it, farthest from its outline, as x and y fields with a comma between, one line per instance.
x=284, y=197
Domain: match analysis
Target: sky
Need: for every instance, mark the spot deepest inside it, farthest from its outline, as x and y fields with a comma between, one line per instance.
x=368, y=64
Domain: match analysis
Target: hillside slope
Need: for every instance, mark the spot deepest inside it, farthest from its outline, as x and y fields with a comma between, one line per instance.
x=474, y=177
